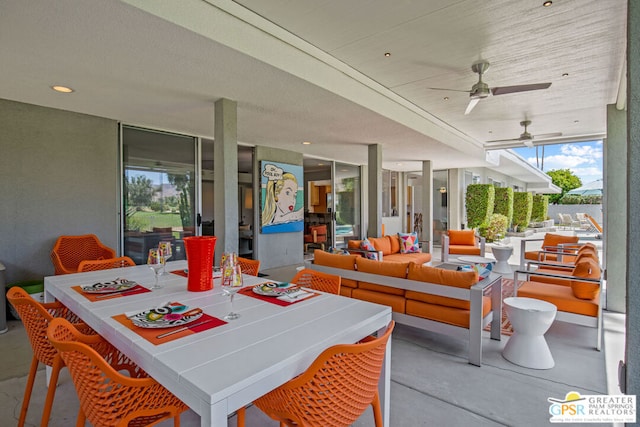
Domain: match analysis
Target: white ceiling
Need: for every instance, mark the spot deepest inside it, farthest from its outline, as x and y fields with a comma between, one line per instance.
x=311, y=70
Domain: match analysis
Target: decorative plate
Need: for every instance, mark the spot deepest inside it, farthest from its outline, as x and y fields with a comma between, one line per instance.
x=117, y=285
x=166, y=316
x=275, y=289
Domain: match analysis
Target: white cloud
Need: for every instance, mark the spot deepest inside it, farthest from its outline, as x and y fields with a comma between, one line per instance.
x=584, y=160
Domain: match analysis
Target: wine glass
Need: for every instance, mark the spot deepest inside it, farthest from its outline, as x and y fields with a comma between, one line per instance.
x=166, y=253
x=155, y=261
x=230, y=286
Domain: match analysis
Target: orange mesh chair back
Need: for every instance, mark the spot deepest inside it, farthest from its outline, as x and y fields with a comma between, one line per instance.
x=69, y=251
x=334, y=391
x=249, y=266
x=36, y=317
x=105, y=264
x=107, y=397
x=313, y=279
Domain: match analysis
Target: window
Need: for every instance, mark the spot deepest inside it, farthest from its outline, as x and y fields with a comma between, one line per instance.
x=389, y=193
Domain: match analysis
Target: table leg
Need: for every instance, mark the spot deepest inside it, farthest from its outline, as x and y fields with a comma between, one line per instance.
x=214, y=415
x=384, y=384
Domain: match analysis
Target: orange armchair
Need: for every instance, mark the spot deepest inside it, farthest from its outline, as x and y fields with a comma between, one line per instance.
x=105, y=264
x=69, y=251
x=334, y=391
x=555, y=247
x=461, y=242
x=317, y=235
x=107, y=397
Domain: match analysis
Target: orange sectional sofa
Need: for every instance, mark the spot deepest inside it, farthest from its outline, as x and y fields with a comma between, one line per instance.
x=388, y=249
x=451, y=302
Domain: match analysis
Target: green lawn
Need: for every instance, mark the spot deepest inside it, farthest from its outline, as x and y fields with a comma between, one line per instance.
x=147, y=220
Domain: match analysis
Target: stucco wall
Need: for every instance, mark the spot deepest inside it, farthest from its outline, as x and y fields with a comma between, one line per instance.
x=58, y=172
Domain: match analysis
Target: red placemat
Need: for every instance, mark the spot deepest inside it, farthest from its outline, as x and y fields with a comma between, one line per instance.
x=180, y=273
x=137, y=289
x=248, y=291
x=204, y=323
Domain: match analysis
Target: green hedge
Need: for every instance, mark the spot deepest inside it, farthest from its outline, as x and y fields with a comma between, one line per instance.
x=496, y=229
x=540, y=208
x=479, y=200
x=522, y=206
x=503, y=203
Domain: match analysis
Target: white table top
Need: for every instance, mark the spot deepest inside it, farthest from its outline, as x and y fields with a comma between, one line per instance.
x=217, y=371
x=475, y=259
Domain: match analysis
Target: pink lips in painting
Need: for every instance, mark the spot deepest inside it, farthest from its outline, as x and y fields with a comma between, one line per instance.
x=290, y=208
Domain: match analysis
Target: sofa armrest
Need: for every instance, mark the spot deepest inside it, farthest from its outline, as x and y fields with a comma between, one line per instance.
x=523, y=249
x=482, y=243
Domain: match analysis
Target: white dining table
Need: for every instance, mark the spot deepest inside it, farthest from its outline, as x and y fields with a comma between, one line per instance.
x=217, y=371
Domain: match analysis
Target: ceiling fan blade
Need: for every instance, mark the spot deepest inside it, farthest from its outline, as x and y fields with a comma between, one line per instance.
x=547, y=135
x=472, y=103
x=519, y=88
x=503, y=140
x=452, y=90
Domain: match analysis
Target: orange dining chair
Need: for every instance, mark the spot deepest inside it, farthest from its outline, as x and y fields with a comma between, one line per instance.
x=313, y=279
x=69, y=251
x=107, y=397
x=249, y=266
x=36, y=317
x=105, y=264
x=334, y=391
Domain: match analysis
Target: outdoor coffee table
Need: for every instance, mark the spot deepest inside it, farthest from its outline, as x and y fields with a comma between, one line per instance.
x=530, y=319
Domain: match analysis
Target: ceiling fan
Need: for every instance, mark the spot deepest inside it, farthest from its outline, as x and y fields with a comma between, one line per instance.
x=481, y=90
x=525, y=137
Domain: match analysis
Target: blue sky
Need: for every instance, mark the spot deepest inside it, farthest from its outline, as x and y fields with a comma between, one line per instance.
x=583, y=159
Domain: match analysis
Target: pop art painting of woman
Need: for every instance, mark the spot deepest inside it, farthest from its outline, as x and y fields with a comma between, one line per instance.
x=282, y=198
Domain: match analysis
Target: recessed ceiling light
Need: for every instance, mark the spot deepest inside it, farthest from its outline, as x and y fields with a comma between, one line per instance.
x=490, y=131
x=306, y=143
x=387, y=54
x=565, y=74
x=547, y=3
x=446, y=98
x=62, y=89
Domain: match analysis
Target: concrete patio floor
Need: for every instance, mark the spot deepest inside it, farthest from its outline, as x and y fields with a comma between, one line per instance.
x=431, y=382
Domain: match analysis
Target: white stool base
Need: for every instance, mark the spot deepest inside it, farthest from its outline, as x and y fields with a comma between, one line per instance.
x=528, y=351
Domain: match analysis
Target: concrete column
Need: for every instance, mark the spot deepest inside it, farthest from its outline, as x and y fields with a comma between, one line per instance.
x=374, y=227
x=225, y=165
x=615, y=208
x=427, y=206
x=633, y=199
x=456, y=196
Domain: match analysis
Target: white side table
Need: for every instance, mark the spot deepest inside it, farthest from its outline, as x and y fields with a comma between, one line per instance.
x=502, y=255
x=530, y=319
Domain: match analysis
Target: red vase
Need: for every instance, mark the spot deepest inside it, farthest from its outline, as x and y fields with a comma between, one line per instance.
x=200, y=251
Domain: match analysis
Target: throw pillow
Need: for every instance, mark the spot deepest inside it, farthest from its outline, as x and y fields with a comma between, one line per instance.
x=409, y=243
x=590, y=269
x=462, y=237
x=366, y=245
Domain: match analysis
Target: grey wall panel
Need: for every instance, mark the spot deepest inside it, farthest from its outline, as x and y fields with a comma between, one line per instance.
x=58, y=170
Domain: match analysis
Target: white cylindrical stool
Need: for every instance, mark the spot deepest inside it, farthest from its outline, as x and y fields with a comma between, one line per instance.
x=530, y=319
x=502, y=255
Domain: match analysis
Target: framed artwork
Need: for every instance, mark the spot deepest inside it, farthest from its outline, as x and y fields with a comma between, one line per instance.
x=281, y=197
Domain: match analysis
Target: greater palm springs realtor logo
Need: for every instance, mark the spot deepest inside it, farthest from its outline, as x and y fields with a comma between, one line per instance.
x=575, y=408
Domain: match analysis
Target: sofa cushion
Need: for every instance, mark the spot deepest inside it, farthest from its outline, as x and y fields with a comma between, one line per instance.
x=395, y=244
x=561, y=296
x=381, y=244
x=392, y=269
x=445, y=314
x=587, y=268
x=346, y=262
x=367, y=245
x=459, y=279
x=462, y=237
x=418, y=257
x=464, y=250
x=354, y=244
x=396, y=302
x=408, y=243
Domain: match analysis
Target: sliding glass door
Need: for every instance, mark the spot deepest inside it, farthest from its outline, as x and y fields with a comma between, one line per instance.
x=159, y=186
x=346, y=203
